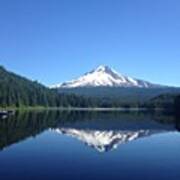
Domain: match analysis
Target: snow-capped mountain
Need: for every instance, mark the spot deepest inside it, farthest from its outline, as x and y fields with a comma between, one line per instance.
x=104, y=141
x=104, y=76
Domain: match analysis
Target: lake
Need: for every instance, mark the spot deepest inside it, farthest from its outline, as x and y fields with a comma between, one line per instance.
x=89, y=145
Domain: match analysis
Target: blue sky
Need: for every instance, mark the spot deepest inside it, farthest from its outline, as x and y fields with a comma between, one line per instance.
x=57, y=40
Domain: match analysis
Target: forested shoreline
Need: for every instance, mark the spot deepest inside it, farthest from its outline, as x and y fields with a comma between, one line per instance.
x=19, y=92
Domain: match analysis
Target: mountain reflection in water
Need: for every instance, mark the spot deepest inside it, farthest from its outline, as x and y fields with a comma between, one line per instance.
x=103, y=131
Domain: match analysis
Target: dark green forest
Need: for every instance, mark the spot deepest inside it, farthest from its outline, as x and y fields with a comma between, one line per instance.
x=17, y=91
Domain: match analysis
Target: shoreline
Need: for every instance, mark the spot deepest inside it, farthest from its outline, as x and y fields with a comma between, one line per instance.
x=79, y=109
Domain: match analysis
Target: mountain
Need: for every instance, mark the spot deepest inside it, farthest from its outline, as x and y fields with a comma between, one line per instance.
x=104, y=76
x=110, y=86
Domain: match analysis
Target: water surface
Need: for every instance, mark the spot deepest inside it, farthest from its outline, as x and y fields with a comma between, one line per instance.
x=89, y=145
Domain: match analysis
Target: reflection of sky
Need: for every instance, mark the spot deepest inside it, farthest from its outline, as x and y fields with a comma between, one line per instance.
x=155, y=153
x=53, y=155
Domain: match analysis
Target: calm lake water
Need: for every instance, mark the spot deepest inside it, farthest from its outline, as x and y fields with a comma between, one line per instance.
x=89, y=145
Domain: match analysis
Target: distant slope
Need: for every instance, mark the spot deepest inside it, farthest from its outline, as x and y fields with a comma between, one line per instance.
x=165, y=101
x=125, y=95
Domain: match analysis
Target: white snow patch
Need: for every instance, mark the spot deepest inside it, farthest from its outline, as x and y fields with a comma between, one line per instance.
x=103, y=76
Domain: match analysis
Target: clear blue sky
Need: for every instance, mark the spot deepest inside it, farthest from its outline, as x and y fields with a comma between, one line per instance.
x=57, y=40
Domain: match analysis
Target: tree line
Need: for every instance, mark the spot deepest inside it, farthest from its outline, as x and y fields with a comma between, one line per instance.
x=17, y=91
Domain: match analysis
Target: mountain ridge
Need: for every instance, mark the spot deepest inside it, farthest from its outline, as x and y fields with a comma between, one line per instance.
x=104, y=76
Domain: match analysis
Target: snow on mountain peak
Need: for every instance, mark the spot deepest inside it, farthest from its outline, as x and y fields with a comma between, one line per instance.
x=104, y=76
x=103, y=68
